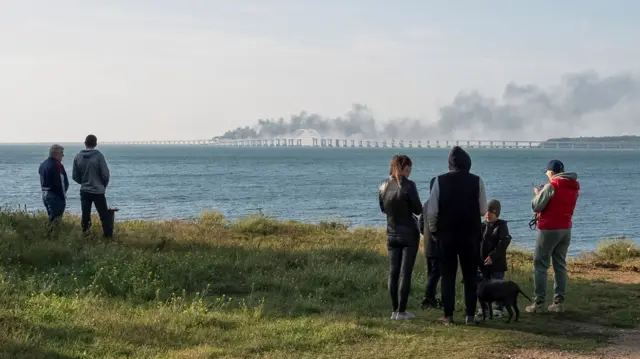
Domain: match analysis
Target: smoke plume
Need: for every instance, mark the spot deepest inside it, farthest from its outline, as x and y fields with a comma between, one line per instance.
x=582, y=104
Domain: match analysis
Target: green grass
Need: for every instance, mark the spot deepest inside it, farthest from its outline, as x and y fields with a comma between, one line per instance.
x=257, y=287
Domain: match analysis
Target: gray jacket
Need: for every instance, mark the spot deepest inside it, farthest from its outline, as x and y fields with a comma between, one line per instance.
x=90, y=171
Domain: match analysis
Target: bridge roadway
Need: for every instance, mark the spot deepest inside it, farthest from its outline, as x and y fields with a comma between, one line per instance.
x=347, y=143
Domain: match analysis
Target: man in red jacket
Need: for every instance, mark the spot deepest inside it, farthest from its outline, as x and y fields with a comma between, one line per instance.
x=554, y=205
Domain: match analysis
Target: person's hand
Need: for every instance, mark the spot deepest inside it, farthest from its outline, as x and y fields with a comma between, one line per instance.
x=536, y=190
x=488, y=261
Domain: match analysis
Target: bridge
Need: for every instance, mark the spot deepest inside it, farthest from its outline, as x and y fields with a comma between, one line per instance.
x=311, y=138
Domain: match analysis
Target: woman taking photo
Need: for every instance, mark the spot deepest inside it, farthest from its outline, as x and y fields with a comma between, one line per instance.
x=400, y=201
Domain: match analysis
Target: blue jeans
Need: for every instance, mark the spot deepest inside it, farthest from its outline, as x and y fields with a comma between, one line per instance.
x=54, y=204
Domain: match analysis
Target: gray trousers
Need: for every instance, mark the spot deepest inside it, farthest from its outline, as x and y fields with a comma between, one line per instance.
x=551, y=248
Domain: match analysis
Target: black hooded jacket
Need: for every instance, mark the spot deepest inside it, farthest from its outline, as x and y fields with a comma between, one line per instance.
x=459, y=200
x=400, y=203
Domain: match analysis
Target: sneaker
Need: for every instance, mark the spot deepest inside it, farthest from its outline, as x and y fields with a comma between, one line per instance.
x=470, y=320
x=556, y=307
x=497, y=313
x=394, y=315
x=404, y=316
x=446, y=320
x=535, y=308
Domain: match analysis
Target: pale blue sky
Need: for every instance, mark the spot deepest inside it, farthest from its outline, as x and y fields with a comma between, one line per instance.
x=192, y=69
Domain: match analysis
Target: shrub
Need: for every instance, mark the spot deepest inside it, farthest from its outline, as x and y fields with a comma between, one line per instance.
x=617, y=250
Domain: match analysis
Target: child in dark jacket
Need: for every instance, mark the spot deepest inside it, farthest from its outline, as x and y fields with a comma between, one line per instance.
x=433, y=270
x=493, y=248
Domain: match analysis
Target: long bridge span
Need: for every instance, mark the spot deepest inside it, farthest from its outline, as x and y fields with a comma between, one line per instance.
x=311, y=138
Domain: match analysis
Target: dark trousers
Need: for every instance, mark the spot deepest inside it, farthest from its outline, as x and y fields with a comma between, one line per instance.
x=451, y=249
x=433, y=276
x=402, y=257
x=55, y=207
x=54, y=204
x=100, y=201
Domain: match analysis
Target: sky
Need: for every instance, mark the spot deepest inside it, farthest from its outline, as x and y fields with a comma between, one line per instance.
x=193, y=69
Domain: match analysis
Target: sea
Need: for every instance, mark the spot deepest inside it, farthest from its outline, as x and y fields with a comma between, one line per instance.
x=331, y=184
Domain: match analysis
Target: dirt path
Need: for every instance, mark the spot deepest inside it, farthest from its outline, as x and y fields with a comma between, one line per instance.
x=625, y=343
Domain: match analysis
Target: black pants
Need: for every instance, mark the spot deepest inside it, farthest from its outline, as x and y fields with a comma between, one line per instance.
x=402, y=257
x=100, y=201
x=433, y=276
x=452, y=248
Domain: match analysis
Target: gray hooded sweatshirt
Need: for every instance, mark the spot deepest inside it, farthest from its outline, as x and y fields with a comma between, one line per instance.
x=90, y=171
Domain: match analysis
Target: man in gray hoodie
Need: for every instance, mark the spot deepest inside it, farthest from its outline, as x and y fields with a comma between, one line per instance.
x=91, y=172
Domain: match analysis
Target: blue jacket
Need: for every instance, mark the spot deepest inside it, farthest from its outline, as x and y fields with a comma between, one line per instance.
x=53, y=178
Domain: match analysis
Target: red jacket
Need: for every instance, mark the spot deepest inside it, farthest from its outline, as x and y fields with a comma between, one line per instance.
x=559, y=210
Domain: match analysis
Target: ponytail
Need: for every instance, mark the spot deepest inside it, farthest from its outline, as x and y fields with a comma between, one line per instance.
x=398, y=163
x=397, y=176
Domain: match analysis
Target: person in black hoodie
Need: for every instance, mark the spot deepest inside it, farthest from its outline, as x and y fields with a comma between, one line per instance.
x=493, y=248
x=399, y=200
x=456, y=205
x=431, y=255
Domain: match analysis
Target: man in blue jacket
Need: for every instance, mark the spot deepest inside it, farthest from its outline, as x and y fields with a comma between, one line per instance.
x=54, y=183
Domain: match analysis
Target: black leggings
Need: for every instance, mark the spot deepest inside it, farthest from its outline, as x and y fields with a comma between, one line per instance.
x=402, y=257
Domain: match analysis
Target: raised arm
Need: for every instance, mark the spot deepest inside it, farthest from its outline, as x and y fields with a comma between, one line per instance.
x=540, y=201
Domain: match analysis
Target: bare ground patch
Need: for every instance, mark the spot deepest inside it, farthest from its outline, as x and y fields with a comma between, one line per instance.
x=625, y=345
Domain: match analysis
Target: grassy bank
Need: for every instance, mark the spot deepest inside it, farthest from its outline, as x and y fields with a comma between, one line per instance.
x=259, y=287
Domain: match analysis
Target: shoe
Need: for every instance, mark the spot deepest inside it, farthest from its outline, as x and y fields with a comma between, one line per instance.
x=556, y=307
x=497, y=313
x=394, y=315
x=404, y=316
x=535, y=308
x=470, y=320
x=446, y=320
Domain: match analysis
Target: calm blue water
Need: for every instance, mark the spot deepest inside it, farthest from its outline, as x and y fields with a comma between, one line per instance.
x=311, y=184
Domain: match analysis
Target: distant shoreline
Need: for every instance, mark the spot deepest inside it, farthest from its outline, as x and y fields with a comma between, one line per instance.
x=617, y=139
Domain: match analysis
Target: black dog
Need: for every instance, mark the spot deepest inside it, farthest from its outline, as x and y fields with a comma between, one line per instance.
x=504, y=292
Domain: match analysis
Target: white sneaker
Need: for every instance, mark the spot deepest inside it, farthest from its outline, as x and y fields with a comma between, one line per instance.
x=556, y=308
x=535, y=308
x=394, y=315
x=405, y=316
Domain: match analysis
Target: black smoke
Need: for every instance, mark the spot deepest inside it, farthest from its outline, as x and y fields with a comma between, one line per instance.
x=581, y=104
